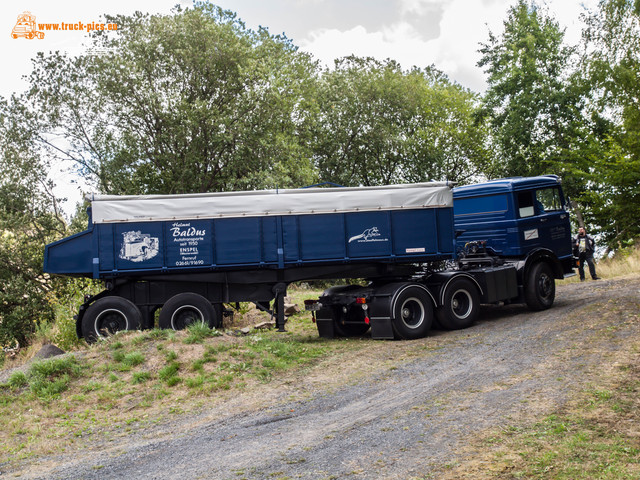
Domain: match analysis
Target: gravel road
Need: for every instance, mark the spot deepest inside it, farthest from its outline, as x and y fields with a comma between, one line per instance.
x=398, y=422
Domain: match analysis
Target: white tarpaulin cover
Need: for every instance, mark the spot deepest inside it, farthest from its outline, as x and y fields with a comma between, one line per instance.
x=144, y=208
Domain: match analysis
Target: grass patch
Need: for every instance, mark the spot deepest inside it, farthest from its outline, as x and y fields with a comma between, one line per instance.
x=197, y=333
x=133, y=359
x=127, y=360
x=126, y=381
x=45, y=379
x=169, y=374
x=17, y=380
x=593, y=438
x=140, y=377
x=171, y=355
x=282, y=354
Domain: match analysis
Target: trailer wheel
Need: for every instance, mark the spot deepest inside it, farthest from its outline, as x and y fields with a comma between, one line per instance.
x=540, y=289
x=109, y=315
x=185, y=309
x=461, y=305
x=412, y=314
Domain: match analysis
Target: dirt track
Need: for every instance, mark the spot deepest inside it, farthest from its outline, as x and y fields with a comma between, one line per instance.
x=404, y=419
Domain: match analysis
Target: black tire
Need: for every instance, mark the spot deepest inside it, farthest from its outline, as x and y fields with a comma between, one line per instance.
x=354, y=314
x=412, y=313
x=540, y=287
x=109, y=315
x=461, y=305
x=186, y=309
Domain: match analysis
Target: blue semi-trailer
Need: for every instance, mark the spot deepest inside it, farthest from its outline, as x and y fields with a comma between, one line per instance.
x=429, y=253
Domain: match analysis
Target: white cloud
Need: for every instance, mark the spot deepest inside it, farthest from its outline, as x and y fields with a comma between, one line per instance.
x=420, y=7
x=567, y=13
x=463, y=26
x=399, y=41
x=454, y=51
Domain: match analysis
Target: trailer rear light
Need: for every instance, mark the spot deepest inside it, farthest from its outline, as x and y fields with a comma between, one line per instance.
x=361, y=300
x=367, y=321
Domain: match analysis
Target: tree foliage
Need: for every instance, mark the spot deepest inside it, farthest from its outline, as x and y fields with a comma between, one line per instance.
x=189, y=102
x=612, y=42
x=378, y=124
x=29, y=218
x=534, y=98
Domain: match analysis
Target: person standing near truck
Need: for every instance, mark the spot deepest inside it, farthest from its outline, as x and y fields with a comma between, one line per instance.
x=584, y=246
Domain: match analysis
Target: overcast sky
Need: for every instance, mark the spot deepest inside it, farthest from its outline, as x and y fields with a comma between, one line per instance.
x=446, y=33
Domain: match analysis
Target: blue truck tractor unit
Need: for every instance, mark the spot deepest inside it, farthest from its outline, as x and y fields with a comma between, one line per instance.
x=430, y=255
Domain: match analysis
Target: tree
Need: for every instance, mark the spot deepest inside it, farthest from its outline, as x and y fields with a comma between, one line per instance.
x=534, y=98
x=189, y=102
x=612, y=39
x=29, y=218
x=449, y=142
x=378, y=124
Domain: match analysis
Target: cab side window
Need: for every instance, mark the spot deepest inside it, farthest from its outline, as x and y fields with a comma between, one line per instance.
x=525, y=204
x=548, y=200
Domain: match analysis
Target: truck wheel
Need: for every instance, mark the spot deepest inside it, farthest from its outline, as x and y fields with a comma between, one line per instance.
x=412, y=314
x=351, y=329
x=185, y=309
x=109, y=315
x=540, y=289
x=461, y=304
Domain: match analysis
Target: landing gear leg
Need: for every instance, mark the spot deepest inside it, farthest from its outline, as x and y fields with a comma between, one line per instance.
x=280, y=291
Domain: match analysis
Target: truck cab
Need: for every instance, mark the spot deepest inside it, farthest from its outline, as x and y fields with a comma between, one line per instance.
x=518, y=219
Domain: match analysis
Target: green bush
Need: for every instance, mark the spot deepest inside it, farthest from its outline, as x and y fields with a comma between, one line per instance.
x=22, y=306
x=69, y=295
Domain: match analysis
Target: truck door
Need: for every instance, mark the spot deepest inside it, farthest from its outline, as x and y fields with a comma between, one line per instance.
x=528, y=223
x=555, y=229
x=543, y=221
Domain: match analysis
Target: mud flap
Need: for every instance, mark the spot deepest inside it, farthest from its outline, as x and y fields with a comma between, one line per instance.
x=381, y=328
x=324, y=322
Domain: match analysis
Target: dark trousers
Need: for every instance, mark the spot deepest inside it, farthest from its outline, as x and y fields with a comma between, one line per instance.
x=590, y=262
